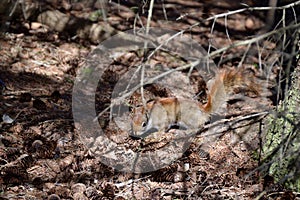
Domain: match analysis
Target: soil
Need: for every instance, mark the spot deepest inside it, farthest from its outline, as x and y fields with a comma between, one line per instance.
x=43, y=149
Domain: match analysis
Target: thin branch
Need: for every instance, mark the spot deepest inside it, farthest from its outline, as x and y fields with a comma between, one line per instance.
x=197, y=62
x=145, y=50
x=253, y=9
x=257, y=38
x=231, y=122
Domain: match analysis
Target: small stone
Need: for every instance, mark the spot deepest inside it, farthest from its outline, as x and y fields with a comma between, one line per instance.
x=53, y=197
x=78, y=188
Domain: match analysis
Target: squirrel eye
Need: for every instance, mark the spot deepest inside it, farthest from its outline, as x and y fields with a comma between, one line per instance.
x=144, y=124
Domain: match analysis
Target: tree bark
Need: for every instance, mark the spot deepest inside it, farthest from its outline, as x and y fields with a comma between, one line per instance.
x=281, y=144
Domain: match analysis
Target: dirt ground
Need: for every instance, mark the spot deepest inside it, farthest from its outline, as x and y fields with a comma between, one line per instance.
x=42, y=155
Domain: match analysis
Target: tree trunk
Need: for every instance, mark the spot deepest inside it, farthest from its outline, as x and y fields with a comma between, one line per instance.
x=281, y=144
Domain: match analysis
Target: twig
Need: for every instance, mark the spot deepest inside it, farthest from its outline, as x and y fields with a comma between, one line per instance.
x=209, y=56
x=197, y=62
x=130, y=181
x=226, y=29
x=253, y=9
x=231, y=121
x=145, y=49
x=250, y=41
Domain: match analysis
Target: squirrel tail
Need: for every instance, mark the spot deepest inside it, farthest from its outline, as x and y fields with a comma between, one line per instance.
x=224, y=82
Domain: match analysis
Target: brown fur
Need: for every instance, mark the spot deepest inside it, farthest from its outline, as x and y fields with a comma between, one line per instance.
x=163, y=112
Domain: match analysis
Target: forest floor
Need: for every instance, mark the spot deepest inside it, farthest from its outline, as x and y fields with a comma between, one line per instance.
x=42, y=155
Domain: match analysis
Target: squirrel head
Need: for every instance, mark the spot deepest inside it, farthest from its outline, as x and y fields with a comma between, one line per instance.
x=140, y=118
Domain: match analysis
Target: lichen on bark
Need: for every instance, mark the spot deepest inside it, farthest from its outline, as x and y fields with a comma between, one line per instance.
x=281, y=144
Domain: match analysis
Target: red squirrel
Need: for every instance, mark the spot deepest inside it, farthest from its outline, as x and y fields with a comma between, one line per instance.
x=163, y=113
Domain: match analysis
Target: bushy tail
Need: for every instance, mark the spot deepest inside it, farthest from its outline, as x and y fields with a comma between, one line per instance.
x=223, y=84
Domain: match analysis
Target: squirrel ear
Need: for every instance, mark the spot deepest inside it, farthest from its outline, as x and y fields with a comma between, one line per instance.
x=131, y=110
